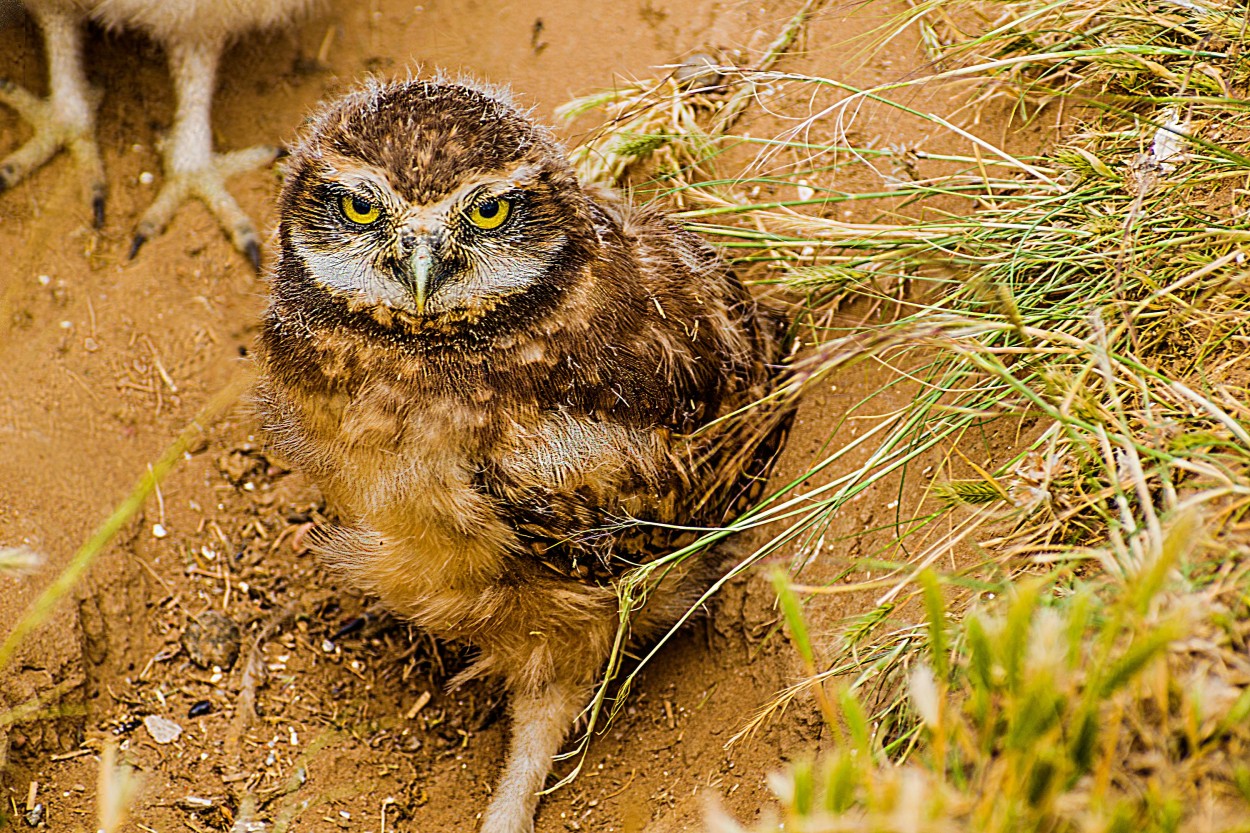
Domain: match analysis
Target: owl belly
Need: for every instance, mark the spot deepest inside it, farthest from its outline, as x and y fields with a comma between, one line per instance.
x=206, y=19
x=415, y=530
x=435, y=550
x=441, y=538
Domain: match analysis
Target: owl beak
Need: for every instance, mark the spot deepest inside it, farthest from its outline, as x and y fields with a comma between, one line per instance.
x=420, y=263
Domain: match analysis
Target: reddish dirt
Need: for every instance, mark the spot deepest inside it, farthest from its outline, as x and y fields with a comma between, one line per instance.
x=104, y=360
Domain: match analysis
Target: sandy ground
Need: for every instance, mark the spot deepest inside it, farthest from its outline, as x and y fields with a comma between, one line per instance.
x=103, y=360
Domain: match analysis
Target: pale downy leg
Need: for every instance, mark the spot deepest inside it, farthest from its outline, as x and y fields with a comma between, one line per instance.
x=539, y=723
x=66, y=120
x=191, y=167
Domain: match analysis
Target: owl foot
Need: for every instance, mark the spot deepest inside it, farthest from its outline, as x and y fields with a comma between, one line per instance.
x=207, y=183
x=55, y=130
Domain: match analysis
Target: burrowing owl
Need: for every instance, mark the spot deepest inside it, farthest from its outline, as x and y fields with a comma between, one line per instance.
x=513, y=389
x=194, y=33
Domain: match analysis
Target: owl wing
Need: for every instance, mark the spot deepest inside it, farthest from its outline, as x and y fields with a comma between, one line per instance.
x=592, y=499
x=737, y=452
x=582, y=493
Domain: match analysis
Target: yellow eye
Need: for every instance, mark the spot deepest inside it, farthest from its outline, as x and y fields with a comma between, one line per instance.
x=361, y=212
x=490, y=213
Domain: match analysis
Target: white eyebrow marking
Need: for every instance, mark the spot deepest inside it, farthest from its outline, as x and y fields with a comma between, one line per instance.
x=520, y=177
x=363, y=180
x=373, y=180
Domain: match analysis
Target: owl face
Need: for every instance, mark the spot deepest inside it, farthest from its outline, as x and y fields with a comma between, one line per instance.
x=432, y=199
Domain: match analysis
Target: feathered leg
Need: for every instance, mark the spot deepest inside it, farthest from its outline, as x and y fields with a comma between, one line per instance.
x=66, y=120
x=540, y=720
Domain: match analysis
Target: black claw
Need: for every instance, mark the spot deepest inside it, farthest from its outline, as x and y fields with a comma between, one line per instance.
x=97, y=211
x=136, y=245
x=251, y=250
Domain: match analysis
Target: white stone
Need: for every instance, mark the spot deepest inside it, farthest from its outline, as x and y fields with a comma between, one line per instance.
x=162, y=729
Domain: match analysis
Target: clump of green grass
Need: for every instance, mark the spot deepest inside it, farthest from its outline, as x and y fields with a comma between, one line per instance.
x=1098, y=302
x=1109, y=706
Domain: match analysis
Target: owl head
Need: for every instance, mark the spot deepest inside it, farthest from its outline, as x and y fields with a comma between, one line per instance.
x=433, y=201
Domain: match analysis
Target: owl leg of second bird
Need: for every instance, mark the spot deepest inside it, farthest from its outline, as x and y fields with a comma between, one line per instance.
x=192, y=170
x=65, y=120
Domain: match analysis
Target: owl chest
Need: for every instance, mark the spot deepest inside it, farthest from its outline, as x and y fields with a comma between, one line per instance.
x=402, y=467
x=391, y=451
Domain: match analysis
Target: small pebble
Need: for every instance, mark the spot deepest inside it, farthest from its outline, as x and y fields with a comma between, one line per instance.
x=162, y=729
x=212, y=640
x=697, y=71
x=159, y=531
x=200, y=708
x=35, y=816
x=147, y=178
x=127, y=726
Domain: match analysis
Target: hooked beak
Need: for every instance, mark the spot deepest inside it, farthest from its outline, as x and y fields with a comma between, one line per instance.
x=419, y=266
